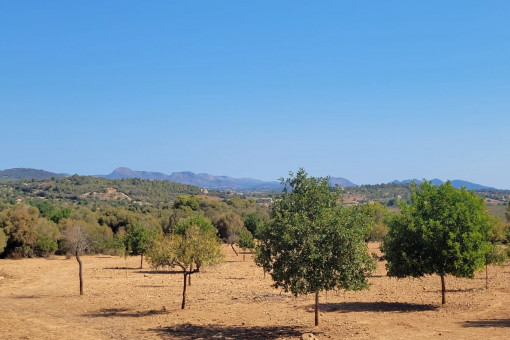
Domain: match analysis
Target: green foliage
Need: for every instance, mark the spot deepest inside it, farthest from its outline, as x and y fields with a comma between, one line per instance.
x=186, y=202
x=246, y=240
x=498, y=231
x=48, y=235
x=495, y=255
x=120, y=218
x=19, y=224
x=138, y=239
x=443, y=231
x=253, y=222
x=87, y=189
x=194, y=242
x=108, y=208
x=202, y=223
x=312, y=244
x=45, y=245
x=378, y=214
x=3, y=240
x=229, y=227
x=59, y=214
x=194, y=246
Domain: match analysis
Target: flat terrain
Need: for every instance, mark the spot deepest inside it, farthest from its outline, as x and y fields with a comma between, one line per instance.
x=39, y=300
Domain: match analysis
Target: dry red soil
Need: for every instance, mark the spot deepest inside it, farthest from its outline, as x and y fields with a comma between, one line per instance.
x=39, y=299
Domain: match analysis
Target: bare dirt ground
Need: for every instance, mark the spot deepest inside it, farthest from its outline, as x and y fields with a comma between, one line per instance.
x=39, y=298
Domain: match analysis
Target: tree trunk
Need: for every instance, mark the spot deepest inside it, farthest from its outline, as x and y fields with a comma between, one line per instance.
x=235, y=251
x=443, y=290
x=80, y=272
x=189, y=276
x=486, y=277
x=316, y=308
x=141, y=260
x=184, y=290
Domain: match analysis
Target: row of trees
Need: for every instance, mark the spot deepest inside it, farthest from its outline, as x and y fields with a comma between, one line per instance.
x=312, y=243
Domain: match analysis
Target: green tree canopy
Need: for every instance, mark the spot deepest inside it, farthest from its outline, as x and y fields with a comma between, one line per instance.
x=19, y=224
x=443, y=231
x=229, y=226
x=193, y=246
x=253, y=222
x=138, y=240
x=313, y=244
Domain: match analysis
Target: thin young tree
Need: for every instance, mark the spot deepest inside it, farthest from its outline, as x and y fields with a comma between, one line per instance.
x=246, y=242
x=443, y=231
x=138, y=240
x=312, y=243
x=77, y=242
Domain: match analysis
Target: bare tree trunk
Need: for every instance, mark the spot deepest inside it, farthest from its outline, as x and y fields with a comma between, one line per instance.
x=316, y=308
x=184, y=290
x=443, y=290
x=189, y=276
x=141, y=261
x=80, y=272
x=235, y=251
x=486, y=277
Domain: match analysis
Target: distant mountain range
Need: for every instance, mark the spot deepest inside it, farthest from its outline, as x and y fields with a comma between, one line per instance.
x=213, y=182
x=26, y=173
x=210, y=181
x=201, y=180
x=456, y=183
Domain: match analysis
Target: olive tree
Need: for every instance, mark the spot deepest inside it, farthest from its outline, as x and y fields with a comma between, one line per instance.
x=312, y=243
x=443, y=231
x=230, y=226
x=193, y=244
x=19, y=225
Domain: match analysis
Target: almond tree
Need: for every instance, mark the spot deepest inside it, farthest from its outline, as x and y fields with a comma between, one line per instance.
x=77, y=242
x=193, y=244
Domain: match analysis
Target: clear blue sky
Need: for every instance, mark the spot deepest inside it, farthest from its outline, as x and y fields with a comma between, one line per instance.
x=367, y=90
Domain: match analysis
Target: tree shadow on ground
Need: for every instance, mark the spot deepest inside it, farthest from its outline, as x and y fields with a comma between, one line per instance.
x=160, y=272
x=125, y=312
x=151, y=286
x=487, y=323
x=121, y=268
x=189, y=332
x=28, y=296
x=345, y=307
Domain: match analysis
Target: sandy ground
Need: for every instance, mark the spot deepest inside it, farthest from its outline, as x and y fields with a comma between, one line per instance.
x=39, y=298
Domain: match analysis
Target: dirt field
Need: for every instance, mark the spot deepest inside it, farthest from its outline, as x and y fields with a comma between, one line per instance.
x=39, y=299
